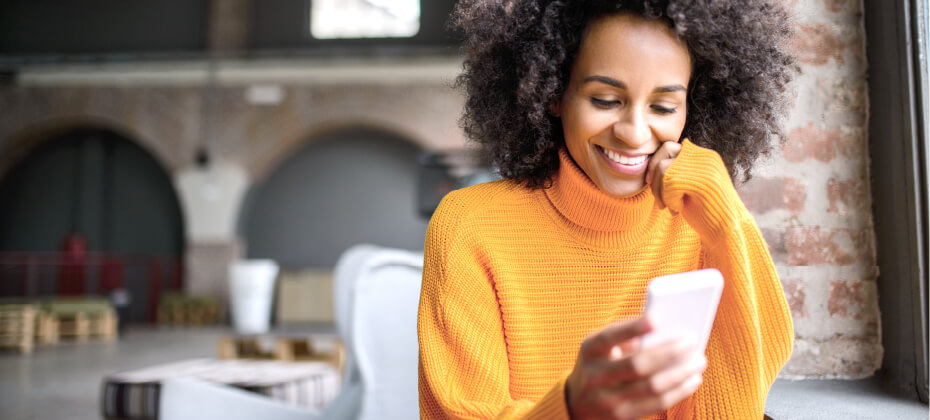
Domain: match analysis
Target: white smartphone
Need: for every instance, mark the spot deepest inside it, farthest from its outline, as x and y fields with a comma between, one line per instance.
x=683, y=304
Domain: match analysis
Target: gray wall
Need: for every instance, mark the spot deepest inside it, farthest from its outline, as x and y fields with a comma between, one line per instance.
x=340, y=189
x=95, y=183
x=100, y=185
x=102, y=26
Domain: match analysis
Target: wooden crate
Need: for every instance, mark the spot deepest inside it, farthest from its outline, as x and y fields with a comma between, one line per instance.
x=182, y=310
x=103, y=325
x=81, y=326
x=83, y=318
x=290, y=349
x=186, y=316
x=47, y=329
x=17, y=327
x=74, y=326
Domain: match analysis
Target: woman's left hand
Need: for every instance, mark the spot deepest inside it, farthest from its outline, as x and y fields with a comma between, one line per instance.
x=661, y=160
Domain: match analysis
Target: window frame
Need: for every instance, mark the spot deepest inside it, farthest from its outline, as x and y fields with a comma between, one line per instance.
x=896, y=34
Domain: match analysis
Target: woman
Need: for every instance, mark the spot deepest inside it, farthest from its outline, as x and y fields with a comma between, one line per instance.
x=617, y=127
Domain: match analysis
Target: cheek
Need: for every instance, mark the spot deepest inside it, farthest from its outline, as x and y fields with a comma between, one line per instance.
x=581, y=124
x=670, y=129
x=575, y=126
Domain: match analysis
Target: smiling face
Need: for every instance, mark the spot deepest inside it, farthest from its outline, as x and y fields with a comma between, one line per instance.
x=627, y=94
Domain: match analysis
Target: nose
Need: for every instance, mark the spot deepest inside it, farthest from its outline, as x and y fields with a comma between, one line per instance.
x=631, y=128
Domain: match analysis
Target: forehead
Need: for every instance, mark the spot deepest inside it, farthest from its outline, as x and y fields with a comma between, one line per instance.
x=623, y=43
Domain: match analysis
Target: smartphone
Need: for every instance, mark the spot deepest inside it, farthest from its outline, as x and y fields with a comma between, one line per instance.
x=683, y=304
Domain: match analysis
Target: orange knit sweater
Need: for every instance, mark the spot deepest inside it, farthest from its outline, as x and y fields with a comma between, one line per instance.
x=514, y=279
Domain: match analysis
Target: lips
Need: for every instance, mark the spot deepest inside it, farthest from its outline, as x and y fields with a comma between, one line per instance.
x=625, y=164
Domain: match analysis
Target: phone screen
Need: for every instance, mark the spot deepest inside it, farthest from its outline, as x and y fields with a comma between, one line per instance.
x=683, y=304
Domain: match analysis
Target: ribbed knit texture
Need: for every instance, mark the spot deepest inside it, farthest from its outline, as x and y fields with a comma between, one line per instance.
x=514, y=279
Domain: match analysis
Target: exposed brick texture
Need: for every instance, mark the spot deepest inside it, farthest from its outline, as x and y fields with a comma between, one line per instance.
x=763, y=194
x=822, y=238
x=818, y=43
x=766, y=194
x=852, y=299
x=837, y=357
x=795, y=293
x=814, y=246
x=825, y=145
x=847, y=196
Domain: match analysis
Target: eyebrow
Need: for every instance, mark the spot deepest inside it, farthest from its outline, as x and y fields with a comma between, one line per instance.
x=618, y=84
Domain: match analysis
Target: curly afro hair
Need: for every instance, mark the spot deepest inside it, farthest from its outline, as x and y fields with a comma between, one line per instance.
x=519, y=53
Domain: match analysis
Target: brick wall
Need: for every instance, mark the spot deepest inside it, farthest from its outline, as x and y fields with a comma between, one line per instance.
x=169, y=120
x=812, y=199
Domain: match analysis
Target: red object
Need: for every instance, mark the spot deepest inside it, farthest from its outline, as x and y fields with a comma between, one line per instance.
x=111, y=275
x=73, y=260
x=178, y=272
x=154, y=289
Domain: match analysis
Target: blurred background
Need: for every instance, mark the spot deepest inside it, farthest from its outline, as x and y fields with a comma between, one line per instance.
x=163, y=139
x=153, y=154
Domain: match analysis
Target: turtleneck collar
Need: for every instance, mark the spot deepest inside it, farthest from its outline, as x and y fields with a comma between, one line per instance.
x=580, y=201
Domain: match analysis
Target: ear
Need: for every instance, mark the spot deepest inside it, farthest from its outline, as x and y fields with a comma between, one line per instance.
x=555, y=107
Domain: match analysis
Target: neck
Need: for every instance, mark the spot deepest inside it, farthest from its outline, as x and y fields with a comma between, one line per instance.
x=583, y=204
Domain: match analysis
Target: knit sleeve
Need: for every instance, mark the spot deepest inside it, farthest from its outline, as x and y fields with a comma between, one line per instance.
x=463, y=364
x=752, y=336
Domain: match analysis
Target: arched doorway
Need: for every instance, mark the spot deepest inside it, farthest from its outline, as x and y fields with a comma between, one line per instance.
x=340, y=189
x=104, y=187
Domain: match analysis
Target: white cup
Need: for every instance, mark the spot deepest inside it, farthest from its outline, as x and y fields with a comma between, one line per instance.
x=251, y=293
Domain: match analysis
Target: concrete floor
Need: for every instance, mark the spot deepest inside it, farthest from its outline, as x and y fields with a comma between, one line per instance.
x=63, y=381
x=840, y=400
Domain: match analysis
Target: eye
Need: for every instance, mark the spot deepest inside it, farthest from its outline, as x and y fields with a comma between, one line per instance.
x=662, y=109
x=601, y=103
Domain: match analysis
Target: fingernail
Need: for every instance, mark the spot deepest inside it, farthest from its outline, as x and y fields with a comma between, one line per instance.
x=616, y=352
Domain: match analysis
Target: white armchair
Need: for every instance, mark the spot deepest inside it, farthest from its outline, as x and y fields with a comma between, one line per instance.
x=192, y=399
x=384, y=333
x=376, y=292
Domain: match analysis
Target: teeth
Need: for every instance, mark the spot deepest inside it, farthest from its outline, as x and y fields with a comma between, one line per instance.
x=623, y=160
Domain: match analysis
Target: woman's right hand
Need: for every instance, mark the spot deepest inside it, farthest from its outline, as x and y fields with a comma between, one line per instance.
x=615, y=379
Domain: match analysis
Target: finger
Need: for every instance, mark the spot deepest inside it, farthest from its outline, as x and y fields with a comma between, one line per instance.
x=665, y=380
x=600, y=344
x=619, y=351
x=654, y=160
x=658, y=186
x=645, y=406
x=641, y=364
x=668, y=150
x=651, y=167
x=657, y=190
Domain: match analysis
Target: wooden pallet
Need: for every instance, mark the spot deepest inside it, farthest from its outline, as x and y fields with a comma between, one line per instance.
x=82, y=318
x=47, y=329
x=17, y=327
x=103, y=326
x=81, y=326
x=184, y=316
x=289, y=349
x=73, y=326
x=182, y=310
